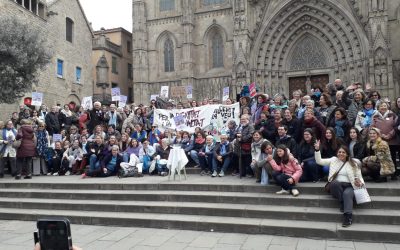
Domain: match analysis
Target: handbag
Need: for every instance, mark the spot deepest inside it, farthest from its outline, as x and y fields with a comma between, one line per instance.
x=17, y=143
x=361, y=195
x=327, y=185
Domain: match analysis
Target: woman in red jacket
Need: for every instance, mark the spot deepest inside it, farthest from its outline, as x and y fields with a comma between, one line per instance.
x=287, y=171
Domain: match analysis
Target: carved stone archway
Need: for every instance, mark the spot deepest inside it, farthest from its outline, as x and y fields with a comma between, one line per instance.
x=326, y=24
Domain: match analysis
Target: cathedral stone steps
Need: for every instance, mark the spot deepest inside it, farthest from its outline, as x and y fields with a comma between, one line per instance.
x=206, y=204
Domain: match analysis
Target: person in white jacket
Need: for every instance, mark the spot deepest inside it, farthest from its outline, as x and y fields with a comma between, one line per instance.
x=348, y=178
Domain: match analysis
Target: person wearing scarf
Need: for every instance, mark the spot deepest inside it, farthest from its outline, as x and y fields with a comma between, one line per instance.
x=340, y=123
x=364, y=117
x=67, y=117
x=197, y=146
x=43, y=142
x=7, y=151
x=223, y=155
x=256, y=154
x=260, y=107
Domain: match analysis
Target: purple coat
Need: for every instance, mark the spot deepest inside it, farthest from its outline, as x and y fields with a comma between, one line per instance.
x=27, y=148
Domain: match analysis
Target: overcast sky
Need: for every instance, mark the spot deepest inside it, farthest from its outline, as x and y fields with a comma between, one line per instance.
x=108, y=14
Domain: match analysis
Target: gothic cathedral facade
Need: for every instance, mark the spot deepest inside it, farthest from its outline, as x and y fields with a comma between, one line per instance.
x=281, y=45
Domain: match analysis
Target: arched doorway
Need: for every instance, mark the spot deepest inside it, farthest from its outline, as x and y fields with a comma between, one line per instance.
x=309, y=39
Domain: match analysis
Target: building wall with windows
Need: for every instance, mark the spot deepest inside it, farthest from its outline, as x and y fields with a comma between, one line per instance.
x=281, y=45
x=116, y=46
x=68, y=76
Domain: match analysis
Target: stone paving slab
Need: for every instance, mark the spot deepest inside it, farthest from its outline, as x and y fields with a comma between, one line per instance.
x=17, y=235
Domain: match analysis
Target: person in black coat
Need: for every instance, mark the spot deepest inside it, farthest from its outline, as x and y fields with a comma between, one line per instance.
x=293, y=125
x=109, y=165
x=52, y=122
x=357, y=145
x=95, y=116
x=286, y=140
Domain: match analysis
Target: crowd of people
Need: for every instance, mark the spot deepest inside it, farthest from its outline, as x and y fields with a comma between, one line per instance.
x=279, y=140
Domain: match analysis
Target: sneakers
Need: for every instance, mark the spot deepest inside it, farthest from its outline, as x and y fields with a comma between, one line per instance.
x=202, y=173
x=55, y=174
x=221, y=174
x=28, y=177
x=67, y=173
x=48, y=174
x=283, y=191
x=295, y=192
x=347, y=220
x=18, y=177
x=83, y=176
x=214, y=174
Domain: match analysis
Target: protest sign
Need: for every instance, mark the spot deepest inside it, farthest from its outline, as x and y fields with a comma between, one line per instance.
x=253, y=89
x=154, y=97
x=164, y=92
x=37, y=98
x=225, y=94
x=205, y=117
x=178, y=92
x=115, y=94
x=87, y=103
x=189, y=92
x=122, y=101
x=57, y=137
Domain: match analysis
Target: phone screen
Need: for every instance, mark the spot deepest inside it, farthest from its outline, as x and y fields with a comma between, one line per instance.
x=54, y=235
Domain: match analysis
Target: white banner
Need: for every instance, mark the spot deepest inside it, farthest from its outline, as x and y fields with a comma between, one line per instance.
x=209, y=117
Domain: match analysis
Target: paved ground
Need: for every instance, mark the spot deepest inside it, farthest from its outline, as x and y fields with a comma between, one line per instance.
x=17, y=235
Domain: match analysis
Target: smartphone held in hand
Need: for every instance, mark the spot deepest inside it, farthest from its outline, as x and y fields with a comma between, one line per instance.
x=54, y=234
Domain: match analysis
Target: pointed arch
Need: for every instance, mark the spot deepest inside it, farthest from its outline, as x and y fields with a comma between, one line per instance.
x=169, y=55
x=215, y=38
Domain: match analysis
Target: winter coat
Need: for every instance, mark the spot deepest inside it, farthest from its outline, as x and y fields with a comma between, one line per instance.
x=52, y=123
x=7, y=149
x=246, y=136
x=289, y=142
x=292, y=168
x=326, y=113
x=256, y=149
x=27, y=148
x=317, y=127
x=379, y=152
x=95, y=117
x=229, y=150
x=335, y=164
x=294, y=128
x=386, y=123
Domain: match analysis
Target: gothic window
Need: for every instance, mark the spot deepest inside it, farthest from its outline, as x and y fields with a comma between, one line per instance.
x=308, y=54
x=167, y=5
x=169, y=56
x=217, y=51
x=210, y=2
x=69, y=29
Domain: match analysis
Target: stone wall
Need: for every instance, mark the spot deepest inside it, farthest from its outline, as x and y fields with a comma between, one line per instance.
x=76, y=54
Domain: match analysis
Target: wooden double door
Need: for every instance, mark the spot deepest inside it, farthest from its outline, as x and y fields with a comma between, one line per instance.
x=304, y=85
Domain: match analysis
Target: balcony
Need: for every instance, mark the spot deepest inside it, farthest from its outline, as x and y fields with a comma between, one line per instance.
x=102, y=43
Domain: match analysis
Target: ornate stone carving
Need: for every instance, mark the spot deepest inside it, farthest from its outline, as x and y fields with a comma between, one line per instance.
x=308, y=54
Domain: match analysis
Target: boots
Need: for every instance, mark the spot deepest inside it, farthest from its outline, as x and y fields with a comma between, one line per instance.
x=347, y=219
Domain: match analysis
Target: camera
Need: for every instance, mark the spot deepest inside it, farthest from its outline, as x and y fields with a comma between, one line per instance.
x=53, y=234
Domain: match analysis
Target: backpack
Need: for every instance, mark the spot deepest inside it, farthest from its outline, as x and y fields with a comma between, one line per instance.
x=129, y=172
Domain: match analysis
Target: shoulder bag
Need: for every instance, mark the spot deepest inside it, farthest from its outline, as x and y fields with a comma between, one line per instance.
x=327, y=185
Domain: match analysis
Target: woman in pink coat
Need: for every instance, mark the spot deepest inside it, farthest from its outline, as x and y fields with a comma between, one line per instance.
x=287, y=171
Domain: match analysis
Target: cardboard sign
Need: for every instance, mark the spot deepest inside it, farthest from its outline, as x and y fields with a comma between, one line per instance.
x=164, y=93
x=37, y=98
x=87, y=103
x=189, y=92
x=115, y=94
x=178, y=92
x=225, y=94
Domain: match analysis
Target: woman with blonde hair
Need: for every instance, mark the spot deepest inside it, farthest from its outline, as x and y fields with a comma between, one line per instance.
x=378, y=164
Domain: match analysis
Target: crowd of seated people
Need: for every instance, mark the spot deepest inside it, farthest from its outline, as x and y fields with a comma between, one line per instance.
x=274, y=133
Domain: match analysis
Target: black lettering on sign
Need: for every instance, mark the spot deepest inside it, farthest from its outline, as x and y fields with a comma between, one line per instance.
x=225, y=113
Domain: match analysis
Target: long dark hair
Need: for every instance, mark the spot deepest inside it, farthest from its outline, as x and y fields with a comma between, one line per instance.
x=333, y=142
x=311, y=132
x=359, y=137
x=285, y=158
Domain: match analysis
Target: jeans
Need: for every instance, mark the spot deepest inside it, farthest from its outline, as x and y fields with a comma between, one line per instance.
x=226, y=162
x=195, y=156
x=310, y=171
x=161, y=168
x=125, y=157
x=93, y=162
x=282, y=180
x=207, y=162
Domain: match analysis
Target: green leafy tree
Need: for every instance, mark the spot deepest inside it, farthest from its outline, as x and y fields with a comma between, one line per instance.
x=23, y=54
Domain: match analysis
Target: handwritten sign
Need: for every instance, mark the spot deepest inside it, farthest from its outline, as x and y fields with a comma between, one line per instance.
x=122, y=101
x=87, y=103
x=164, y=93
x=115, y=94
x=189, y=92
x=178, y=92
x=217, y=116
x=225, y=94
x=37, y=98
x=57, y=137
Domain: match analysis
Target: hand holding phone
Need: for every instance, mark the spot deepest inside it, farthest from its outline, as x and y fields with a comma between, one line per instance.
x=54, y=234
